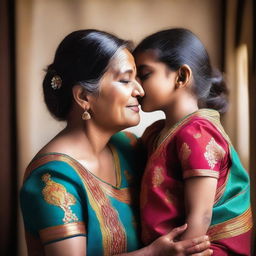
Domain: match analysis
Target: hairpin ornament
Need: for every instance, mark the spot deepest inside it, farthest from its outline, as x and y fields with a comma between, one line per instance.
x=56, y=82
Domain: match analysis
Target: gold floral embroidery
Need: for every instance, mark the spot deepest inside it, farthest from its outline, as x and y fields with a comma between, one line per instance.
x=56, y=194
x=158, y=177
x=169, y=197
x=197, y=135
x=185, y=152
x=214, y=153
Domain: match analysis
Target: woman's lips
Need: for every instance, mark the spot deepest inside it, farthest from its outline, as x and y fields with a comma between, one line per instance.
x=134, y=108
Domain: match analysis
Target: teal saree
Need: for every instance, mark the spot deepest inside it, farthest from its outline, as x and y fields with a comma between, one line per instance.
x=61, y=199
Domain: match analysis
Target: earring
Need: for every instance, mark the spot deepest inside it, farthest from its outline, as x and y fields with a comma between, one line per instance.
x=86, y=115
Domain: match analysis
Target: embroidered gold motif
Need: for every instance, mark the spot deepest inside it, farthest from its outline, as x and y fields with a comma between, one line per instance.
x=214, y=153
x=158, y=177
x=197, y=135
x=56, y=194
x=169, y=198
x=185, y=152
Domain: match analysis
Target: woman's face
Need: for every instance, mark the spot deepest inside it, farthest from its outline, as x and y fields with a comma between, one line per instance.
x=157, y=80
x=117, y=105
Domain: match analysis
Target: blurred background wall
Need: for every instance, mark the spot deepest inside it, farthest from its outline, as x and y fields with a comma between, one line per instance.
x=32, y=29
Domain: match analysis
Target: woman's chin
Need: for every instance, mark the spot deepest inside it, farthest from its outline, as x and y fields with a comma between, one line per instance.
x=134, y=122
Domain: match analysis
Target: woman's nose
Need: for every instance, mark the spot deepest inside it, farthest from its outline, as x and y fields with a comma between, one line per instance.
x=138, y=90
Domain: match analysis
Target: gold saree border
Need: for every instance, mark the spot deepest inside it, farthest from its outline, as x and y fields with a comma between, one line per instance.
x=117, y=165
x=121, y=194
x=230, y=228
x=209, y=114
x=200, y=172
x=62, y=231
x=112, y=230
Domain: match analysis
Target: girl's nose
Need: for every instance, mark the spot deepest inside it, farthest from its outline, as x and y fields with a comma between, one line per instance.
x=138, y=90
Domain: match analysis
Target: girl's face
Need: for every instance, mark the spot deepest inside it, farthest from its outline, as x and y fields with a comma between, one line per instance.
x=116, y=106
x=157, y=80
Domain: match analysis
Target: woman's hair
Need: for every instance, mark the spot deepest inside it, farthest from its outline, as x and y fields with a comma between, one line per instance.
x=81, y=59
x=178, y=46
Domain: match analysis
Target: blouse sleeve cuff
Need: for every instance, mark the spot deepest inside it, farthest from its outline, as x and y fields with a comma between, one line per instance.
x=51, y=234
x=200, y=173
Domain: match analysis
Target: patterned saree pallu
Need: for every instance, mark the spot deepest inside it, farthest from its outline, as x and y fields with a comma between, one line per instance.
x=61, y=199
x=197, y=146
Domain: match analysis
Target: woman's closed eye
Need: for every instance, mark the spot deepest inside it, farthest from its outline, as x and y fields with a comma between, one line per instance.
x=124, y=81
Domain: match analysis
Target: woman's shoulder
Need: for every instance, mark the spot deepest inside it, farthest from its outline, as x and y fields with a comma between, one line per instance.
x=55, y=164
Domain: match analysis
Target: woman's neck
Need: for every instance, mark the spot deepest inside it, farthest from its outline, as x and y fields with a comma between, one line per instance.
x=88, y=137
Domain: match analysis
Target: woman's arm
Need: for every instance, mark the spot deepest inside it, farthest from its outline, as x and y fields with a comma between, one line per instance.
x=165, y=245
x=199, y=199
x=75, y=246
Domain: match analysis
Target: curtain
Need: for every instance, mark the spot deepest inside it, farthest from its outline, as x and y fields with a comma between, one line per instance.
x=8, y=153
x=239, y=65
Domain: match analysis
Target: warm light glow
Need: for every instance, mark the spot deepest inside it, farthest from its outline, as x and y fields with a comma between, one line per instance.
x=242, y=105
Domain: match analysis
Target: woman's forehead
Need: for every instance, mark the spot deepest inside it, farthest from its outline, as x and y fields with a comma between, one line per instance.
x=123, y=62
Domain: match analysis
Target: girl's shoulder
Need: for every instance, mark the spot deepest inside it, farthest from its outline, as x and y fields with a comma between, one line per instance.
x=203, y=125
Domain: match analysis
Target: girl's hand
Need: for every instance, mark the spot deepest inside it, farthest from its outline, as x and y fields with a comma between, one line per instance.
x=166, y=245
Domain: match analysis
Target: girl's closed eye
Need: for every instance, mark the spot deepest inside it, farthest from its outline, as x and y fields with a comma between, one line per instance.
x=144, y=76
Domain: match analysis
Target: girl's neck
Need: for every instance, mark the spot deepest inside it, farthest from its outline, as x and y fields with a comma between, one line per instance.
x=183, y=106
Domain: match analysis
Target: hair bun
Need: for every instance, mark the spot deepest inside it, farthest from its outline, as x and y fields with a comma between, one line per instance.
x=218, y=96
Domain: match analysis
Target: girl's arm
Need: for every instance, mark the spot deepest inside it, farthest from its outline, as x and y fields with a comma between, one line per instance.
x=164, y=245
x=199, y=197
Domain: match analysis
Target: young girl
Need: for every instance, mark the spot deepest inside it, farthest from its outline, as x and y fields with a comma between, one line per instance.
x=193, y=173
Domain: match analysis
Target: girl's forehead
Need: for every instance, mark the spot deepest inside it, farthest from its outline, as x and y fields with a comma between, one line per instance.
x=149, y=54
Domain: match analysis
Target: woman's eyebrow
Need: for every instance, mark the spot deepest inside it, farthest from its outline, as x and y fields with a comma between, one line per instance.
x=121, y=72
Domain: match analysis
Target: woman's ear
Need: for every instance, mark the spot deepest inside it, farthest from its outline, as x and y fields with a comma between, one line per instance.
x=184, y=76
x=81, y=97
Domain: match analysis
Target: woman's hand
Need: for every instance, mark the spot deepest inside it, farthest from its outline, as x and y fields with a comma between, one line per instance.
x=166, y=245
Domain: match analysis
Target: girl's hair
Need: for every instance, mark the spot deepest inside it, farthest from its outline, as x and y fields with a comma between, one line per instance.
x=81, y=59
x=178, y=46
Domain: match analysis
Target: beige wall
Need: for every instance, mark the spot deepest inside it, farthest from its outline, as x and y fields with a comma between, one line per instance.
x=41, y=24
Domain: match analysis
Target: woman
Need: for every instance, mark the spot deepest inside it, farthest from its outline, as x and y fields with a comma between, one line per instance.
x=79, y=192
x=193, y=173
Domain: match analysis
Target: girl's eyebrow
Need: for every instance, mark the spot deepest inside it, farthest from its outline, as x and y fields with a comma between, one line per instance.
x=142, y=66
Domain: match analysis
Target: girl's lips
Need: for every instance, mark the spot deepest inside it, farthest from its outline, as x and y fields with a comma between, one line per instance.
x=134, y=108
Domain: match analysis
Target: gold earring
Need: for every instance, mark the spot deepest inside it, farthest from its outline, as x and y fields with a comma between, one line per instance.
x=86, y=115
